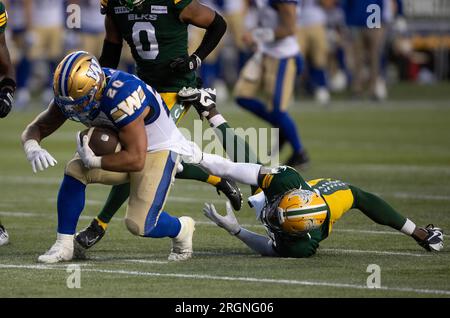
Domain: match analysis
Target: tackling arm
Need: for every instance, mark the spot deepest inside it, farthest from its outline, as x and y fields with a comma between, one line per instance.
x=258, y=243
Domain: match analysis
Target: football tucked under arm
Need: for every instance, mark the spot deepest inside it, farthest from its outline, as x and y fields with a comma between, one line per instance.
x=103, y=141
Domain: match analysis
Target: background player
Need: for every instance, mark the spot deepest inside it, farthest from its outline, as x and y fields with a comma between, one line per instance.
x=272, y=71
x=7, y=87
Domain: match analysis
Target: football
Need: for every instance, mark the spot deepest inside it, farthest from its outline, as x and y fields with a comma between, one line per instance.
x=102, y=140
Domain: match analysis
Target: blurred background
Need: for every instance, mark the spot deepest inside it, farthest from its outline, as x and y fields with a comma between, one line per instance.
x=343, y=58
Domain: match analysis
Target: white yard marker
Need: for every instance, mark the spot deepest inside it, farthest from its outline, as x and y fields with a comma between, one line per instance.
x=237, y=279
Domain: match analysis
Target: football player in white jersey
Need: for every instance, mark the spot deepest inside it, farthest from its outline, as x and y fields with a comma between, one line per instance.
x=149, y=158
x=45, y=20
x=272, y=71
x=312, y=37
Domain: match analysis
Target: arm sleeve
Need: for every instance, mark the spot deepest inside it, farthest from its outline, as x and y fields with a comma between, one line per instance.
x=258, y=243
x=3, y=18
x=111, y=53
x=214, y=33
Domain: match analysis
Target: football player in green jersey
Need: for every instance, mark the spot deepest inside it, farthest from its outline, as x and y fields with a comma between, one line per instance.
x=7, y=87
x=299, y=214
x=157, y=33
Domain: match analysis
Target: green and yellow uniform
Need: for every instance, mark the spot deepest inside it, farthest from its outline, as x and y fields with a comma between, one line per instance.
x=156, y=36
x=3, y=18
x=335, y=197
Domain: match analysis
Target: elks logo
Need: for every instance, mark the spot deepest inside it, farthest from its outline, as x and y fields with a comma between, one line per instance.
x=141, y=17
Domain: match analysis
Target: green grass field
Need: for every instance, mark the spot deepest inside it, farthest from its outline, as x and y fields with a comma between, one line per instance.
x=400, y=150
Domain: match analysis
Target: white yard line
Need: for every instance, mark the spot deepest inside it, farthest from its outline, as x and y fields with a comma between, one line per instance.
x=236, y=279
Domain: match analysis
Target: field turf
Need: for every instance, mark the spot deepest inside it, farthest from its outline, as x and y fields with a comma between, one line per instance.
x=400, y=150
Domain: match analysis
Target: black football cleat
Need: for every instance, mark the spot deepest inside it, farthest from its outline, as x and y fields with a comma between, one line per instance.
x=203, y=100
x=299, y=160
x=434, y=242
x=232, y=192
x=4, y=237
x=90, y=235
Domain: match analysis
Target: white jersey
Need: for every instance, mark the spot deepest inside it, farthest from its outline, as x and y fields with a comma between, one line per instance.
x=92, y=21
x=48, y=13
x=268, y=18
x=310, y=13
x=16, y=13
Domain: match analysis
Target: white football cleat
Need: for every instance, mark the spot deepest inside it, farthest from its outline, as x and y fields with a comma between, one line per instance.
x=182, y=244
x=4, y=237
x=61, y=251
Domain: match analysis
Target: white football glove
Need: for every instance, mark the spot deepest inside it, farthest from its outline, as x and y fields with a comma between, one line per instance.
x=228, y=222
x=39, y=158
x=90, y=160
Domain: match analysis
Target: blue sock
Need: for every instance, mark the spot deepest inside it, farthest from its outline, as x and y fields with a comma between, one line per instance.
x=23, y=72
x=256, y=107
x=71, y=200
x=288, y=129
x=318, y=77
x=209, y=73
x=167, y=226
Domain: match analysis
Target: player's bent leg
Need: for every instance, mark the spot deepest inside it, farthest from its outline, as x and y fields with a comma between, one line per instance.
x=430, y=238
x=149, y=191
x=71, y=201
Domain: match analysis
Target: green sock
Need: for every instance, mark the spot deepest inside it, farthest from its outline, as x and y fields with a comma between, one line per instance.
x=377, y=209
x=117, y=197
x=241, y=151
x=193, y=172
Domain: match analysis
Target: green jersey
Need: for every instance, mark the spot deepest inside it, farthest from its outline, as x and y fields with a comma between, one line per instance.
x=275, y=183
x=156, y=36
x=3, y=18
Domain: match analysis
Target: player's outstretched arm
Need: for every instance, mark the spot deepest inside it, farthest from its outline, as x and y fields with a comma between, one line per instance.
x=258, y=243
x=45, y=124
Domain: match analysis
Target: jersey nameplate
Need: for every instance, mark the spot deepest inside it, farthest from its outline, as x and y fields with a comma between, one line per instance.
x=159, y=10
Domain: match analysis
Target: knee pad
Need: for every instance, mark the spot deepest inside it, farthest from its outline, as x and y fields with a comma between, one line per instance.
x=77, y=170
